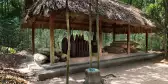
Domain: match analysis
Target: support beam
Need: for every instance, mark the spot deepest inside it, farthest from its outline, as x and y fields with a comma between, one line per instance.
x=114, y=35
x=33, y=38
x=165, y=44
x=151, y=39
x=51, y=21
x=101, y=37
x=128, y=40
x=146, y=41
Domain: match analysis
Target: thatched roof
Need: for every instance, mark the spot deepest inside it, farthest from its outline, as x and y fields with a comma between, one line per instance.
x=112, y=12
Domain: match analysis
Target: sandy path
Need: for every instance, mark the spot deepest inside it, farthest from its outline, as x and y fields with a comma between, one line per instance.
x=144, y=72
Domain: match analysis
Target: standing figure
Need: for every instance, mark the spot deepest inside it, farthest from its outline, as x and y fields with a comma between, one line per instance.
x=64, y=45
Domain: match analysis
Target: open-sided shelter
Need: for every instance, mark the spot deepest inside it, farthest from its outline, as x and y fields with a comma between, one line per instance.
x=114, y=16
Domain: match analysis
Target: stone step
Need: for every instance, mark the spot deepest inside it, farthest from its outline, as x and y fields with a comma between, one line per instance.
x=76, y=68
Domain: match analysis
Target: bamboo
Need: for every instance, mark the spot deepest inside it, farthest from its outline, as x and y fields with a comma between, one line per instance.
x=51, y=39
x=98, y=36
x=90, y=33
x=69, y=46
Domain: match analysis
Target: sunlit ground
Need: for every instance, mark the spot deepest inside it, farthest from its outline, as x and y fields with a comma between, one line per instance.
x=144, y=72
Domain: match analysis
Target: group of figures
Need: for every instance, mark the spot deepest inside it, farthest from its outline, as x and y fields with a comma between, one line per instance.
x=79, y=46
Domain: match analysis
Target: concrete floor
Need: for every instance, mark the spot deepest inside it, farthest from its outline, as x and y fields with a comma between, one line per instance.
x=141, y=72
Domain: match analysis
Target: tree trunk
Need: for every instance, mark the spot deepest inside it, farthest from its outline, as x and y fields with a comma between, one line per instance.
x=166, y=25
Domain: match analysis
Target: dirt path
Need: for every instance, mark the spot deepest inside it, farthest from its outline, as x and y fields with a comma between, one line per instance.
x=144, y=72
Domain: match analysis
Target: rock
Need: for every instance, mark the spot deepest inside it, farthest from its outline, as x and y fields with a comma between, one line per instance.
x=133, y=50
x=63, y=58
x=46, y=51
x=58, y=53
x=116, y=50
x=40, y=58
x=24, y=53
x=56, y=59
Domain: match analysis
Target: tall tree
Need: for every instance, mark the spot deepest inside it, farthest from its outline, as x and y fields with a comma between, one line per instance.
x=165, y=2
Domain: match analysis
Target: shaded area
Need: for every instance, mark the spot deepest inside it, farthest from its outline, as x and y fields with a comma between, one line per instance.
x=11, y=60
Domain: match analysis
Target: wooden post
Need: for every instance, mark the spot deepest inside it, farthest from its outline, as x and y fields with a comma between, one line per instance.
x=98, y=36
x=128, y=39
x=51, y=21
x=114, y=35
x=33, y=38
x=101, y=37
x=69, y=44
x=165, y=44
x=90, y=33
x=146, y=41
x=151, y=39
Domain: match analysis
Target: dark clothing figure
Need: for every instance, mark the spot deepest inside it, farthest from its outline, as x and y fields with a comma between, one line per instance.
x=73, y=47
x=65, y=45
x=79, y=46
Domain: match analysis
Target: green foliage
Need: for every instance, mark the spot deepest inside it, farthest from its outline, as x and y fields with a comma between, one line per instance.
x=156, y=11
x=10, y=18
x=4, y=49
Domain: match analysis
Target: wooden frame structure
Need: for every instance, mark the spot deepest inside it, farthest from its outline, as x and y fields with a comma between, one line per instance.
x=65, y=18
x=80, y=21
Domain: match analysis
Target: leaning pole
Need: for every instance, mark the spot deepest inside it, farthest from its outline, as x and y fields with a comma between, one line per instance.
x=98, y=35
x=90, y=32
x=68, y=36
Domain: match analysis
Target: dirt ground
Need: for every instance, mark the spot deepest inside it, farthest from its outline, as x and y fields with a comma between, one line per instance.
x=9, y=65
x=11, y=60
x=142, y=72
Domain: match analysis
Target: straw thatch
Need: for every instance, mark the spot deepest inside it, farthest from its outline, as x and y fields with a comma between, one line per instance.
x=113, y=14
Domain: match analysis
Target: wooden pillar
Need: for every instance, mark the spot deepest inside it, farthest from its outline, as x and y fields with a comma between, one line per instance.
x=51, y=22
x=146, y=41
x=33, y=38
x=101, y=37
x=128, y=40
x=165, y=44
x=114, y=35
x=151, y=39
